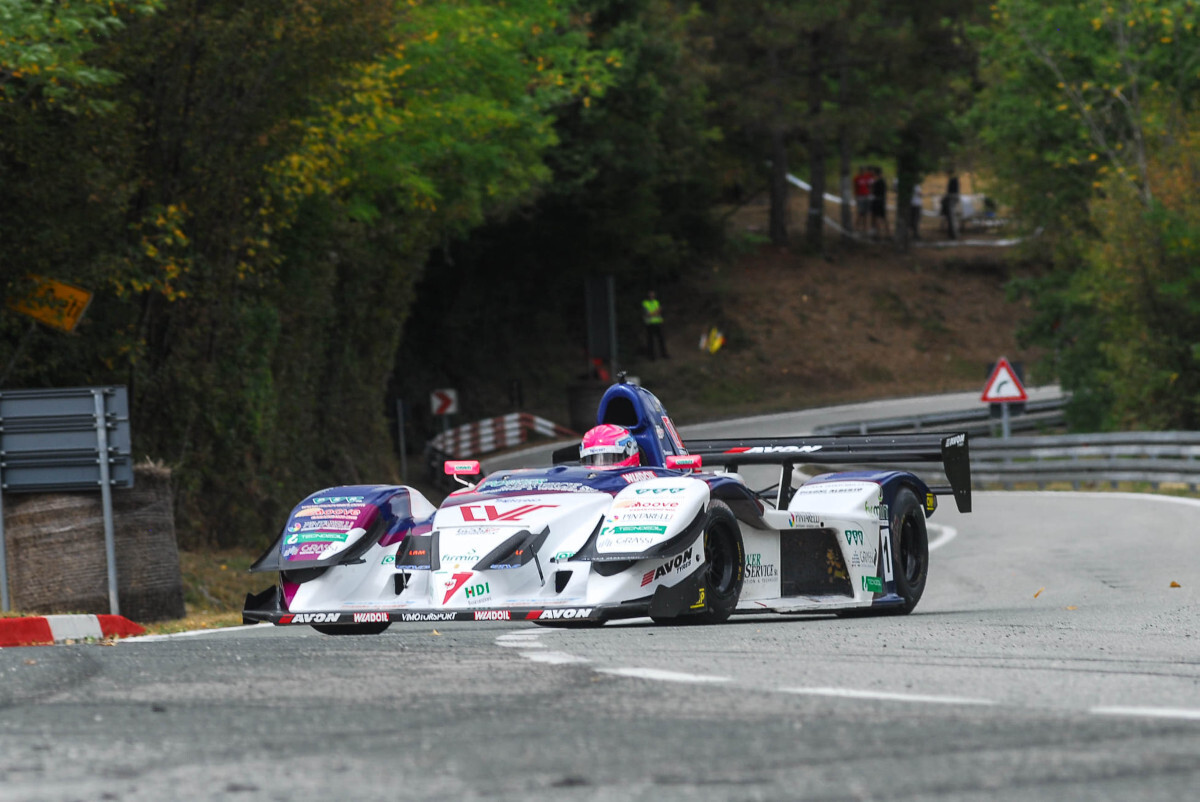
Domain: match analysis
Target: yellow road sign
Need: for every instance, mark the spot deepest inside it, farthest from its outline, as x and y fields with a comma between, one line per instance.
x=53, y=303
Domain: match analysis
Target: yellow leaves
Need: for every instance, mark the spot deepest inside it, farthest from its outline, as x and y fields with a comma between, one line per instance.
x=1061, y=107
x=1175, y=584
x=1039, y=592
x=1092, y=157
x=1097, y=23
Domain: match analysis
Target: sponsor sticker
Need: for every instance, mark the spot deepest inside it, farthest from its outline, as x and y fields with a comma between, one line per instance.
x=485, y=513
x=371, y=618
x=566, y=613
x=798, y=520
x=493, y=615
x=757, y=570
x=872, y=584
x=638, y=476
x=311, y=618
x=678, y=563
x=427, y=616
x=658, y=490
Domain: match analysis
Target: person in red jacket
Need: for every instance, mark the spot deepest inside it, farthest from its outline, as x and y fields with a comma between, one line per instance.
x=862, y=197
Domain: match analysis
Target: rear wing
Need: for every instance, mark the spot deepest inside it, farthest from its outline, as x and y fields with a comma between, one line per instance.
x=951, y=449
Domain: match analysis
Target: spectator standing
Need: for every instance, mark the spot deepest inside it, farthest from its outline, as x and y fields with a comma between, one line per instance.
x=950, y=206
x=917, y=206
x=862, y=196
x=878, y=203
x=652, y=317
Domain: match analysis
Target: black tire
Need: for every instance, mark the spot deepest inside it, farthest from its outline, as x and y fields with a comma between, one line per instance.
x=910, y=550
x=352, y=629
x=724, y=567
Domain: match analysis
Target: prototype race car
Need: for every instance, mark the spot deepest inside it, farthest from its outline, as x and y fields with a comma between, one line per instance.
x=579, y=544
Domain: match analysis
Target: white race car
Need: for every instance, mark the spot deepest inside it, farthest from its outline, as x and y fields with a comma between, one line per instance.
x=573, y=544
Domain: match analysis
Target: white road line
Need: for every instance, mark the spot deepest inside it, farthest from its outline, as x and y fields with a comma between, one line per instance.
x=1148, y=712
x=191, y=632
x=948, y=533
x=520, y=640
x=848, y=693
x=554, y=658
x=657, y=674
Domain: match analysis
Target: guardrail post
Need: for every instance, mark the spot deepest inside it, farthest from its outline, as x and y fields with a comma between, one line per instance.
x=3, y=557
x=110, y=548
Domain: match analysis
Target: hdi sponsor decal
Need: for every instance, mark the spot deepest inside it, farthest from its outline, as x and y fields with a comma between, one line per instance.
x=371, y=618
x=557, y=615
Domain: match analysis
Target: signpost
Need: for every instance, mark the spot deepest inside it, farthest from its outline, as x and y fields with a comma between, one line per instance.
x=1003, y=387
x=60, y=440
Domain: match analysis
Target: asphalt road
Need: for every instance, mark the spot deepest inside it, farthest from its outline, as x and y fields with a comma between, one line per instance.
x=1050, y=659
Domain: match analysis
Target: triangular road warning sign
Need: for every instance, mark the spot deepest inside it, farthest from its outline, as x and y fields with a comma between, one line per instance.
x=1003, y=386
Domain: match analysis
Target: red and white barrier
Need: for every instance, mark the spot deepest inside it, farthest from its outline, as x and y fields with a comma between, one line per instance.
x=44, y=630
x=494, y=434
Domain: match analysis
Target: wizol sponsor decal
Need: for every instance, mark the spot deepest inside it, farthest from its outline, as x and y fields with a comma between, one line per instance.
x=559, y=615
x=680, y=562
x=493, y=615
x=311, y=618
x=371, y=618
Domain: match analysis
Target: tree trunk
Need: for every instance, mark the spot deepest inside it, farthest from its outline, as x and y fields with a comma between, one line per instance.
x=778, y=228
x=816, y=196
x=908, y=159
x=844, y=156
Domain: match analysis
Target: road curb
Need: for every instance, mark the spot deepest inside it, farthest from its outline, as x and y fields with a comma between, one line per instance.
x=49, y=629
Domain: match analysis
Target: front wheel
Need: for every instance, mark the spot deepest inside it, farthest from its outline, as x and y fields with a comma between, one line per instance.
x=725, y=568
x=910, y=550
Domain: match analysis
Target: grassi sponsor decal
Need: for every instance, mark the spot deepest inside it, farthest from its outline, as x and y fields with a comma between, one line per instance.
x=680, y=562
x=371, y=618
x=558, y=615
x=493, y=615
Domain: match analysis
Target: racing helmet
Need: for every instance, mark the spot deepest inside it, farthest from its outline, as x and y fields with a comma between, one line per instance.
x=609, y=446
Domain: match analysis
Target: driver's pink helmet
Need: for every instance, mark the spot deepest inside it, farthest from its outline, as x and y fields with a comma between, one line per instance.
x=608, y=446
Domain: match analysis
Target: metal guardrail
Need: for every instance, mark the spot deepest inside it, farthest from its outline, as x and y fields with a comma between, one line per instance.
x=1156, y=458
x=977, y=421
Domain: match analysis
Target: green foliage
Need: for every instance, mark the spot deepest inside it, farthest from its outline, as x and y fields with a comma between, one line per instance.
x=44, y=48
x=1085, y=121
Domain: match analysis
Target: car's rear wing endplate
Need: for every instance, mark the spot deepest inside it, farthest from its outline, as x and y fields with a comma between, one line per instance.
x=951, y=449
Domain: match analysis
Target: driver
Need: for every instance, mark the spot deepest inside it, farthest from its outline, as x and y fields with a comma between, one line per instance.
x=609, y=446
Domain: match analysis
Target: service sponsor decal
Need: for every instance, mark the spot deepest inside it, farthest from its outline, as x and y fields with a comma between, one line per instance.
x=311, y=618
x=476, y=513
x=638, y=476
x=565, y=613
x=798, y=520
x=872, y=584
x=427, y=616
x=493, y=615
x=453, y=583
x=371, y=618
x=773, y=449
x=679, y=562
x=757, y=570
x=658, y=490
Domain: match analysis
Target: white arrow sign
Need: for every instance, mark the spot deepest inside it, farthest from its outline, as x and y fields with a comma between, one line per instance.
x=1003, y=386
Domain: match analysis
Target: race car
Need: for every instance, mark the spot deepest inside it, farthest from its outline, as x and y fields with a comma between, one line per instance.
x=647, y=533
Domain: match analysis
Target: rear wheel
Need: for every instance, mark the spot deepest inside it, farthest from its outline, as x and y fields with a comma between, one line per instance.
x=352, y=629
